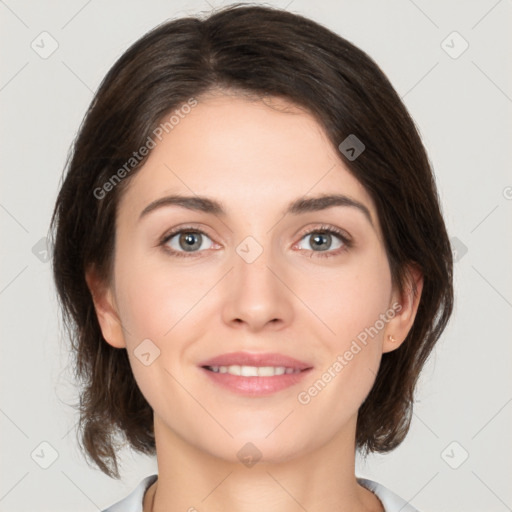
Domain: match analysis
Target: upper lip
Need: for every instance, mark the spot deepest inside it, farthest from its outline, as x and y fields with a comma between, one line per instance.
x=248, y=359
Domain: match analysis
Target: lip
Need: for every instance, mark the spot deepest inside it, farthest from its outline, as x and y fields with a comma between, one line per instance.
x=255, y=386
x=249, y=359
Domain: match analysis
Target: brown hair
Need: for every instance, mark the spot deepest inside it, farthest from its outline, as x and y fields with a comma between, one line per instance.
x=265, y=52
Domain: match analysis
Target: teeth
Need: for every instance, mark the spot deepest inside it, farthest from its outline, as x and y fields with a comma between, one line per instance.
x=253, y=371
x=248, y=371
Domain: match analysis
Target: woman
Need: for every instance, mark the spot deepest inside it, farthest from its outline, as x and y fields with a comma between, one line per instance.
x=250, y=254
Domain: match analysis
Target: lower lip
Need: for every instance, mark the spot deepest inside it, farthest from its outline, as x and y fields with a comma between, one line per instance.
x=256, y=386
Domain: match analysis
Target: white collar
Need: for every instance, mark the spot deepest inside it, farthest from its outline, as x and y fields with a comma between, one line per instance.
x=390, y=501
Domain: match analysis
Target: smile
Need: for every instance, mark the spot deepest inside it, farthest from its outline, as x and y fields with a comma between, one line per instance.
x=253, y=371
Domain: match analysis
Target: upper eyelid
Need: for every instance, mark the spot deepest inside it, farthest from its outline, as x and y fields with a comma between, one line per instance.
x=173, y=232
x=325, y=227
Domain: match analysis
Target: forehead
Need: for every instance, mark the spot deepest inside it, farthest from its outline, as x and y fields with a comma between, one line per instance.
x=251, y=155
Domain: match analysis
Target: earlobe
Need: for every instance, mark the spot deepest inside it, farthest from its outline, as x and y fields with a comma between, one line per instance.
x=399, y=326
x=106, y=310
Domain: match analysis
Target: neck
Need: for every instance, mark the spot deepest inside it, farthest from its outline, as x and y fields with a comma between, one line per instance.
x=193, y=480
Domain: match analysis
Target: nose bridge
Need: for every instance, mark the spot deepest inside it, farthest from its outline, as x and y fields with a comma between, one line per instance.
x=252, y=262
x=256, y=295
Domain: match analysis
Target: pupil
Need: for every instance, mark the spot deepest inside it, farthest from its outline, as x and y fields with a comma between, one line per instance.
x=318, y=239
x=190, y=241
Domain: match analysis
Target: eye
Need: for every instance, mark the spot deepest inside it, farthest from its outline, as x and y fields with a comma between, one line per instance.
x=324, y=238
x=185, y=241
x=190, y=241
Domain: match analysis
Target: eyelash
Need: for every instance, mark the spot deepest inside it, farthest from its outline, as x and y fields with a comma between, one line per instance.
x=324, y=229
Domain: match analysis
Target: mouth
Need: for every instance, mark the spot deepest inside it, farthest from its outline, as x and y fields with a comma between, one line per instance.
x=255, y=374
x=253, y=371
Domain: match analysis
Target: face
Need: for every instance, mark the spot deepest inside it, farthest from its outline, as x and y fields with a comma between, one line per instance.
x=255, y=282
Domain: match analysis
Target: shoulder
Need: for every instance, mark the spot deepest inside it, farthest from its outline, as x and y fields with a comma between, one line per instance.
x=390, y=501
x=133, y=502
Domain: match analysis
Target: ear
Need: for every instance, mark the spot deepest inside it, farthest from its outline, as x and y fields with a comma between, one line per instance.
x=106, y=309
x=405, y=306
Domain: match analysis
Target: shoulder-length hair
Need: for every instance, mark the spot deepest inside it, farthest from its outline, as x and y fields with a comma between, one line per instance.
x=264, y=52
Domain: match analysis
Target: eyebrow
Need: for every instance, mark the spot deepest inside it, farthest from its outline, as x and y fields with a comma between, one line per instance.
x=296, y=207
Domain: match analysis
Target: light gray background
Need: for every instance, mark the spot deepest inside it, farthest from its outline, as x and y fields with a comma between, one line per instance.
x=462, y=107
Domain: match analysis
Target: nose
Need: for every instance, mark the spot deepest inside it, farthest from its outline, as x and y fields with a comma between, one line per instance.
x=257, y=296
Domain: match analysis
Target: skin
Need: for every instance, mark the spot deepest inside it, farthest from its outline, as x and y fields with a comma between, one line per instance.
x=255, y=158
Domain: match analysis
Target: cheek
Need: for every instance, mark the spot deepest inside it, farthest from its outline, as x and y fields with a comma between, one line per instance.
x=155, y=302
x=350, y=303
x=349, y=299
x=153, y=297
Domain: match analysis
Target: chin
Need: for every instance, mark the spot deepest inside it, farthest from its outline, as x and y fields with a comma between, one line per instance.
x=256, y=446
